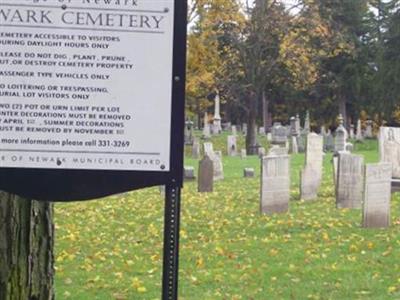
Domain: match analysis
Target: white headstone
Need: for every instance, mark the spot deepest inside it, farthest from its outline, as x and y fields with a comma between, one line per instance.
x=188, y=173
x=206, y=128
x=294, y=147
x=311, y=175
x=217, y=117
x=232, y=146
x=350, y=176
x=340, y=136
x=196, y=149
x=389, y=148
x=279, y=134
x=376, y=204
x=218, y=166
x=234, y=130
x=208, y=149
x=275, y=184
x=368, y=131
x=351, y=133
x=243, y=153
x=276, y=150
x=359, y=135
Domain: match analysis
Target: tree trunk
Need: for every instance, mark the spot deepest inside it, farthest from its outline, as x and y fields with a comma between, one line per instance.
x=26, y=249
x=266, y=122
x=251, y=138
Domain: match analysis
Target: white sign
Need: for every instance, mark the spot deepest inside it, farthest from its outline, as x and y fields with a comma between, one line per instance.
x=86, y=84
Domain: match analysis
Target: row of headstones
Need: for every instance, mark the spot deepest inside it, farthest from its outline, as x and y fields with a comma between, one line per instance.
x=356, y=186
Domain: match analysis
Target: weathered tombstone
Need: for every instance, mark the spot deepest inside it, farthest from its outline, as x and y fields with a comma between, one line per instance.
x=301, y=143
x=335, y=166
x=389, y=148
x=248, y=172
x=269, y=136
x=293, y=131
x=351, y=133
x=297, y=124
x=218, y=166
x=196, y=149
x=208, y=149
x=311, y=175
x=188, y=173
x=294, y=147
x=206, y=128
x=329, y=142
x=279, y=134
x=307, y=127
x=231, y=145
x=234, y=130
x=275, y=184
x=217, y=117
x=368, y=130
x=359, y=135
x=188, y=132
x=243, y=153
x=205, y=175
x=376, y=204
x=349, y=147
x=340, y=136
x=350, y=176
x=261, y=152
x=261, y=131
x=244, y=129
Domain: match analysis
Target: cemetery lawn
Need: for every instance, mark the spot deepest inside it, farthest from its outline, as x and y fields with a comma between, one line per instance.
x=112, y=248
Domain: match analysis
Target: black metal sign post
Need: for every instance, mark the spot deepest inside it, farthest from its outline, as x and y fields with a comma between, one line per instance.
x=171, y=243
x=49, y=182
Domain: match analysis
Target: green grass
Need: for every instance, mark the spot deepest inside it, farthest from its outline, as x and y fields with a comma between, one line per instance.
x=112, y=248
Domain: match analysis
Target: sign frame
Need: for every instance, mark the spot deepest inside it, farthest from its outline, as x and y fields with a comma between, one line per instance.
x=58, y=185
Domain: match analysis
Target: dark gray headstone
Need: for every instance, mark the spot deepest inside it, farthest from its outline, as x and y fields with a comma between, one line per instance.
x=205, y=175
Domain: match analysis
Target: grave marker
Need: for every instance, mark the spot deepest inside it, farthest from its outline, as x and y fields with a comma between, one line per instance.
x=350, y=176
x=205, y=175
x=275, y=184
x=377, y=195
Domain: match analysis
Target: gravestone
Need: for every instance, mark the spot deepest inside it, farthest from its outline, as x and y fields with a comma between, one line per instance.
x=329, y=142
x=243, y=153
x=293, y=127
x=231, y=145
x=368, y=130
x=279, y=134
x=294, y=147
x=297, y=124
x=335, y=166
x=307, y=129
x=311, y=175
x=275, y=184
x=244, y=129
x=351, y=133
x=189, y=132
x=377, y=195
x=196, y=149
x=208, y=149
x=389, y=148
x=359, y=135
x=217, y=117
x=301, y=143
x=248, y=172
x=206, y=128
x=350, y=176
x=261, y=152
x=218, y=166
x=269, y=136
x=205, y=175
x=340, y=136
x=188, y=173
x=234, y=130
x=261, y=131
